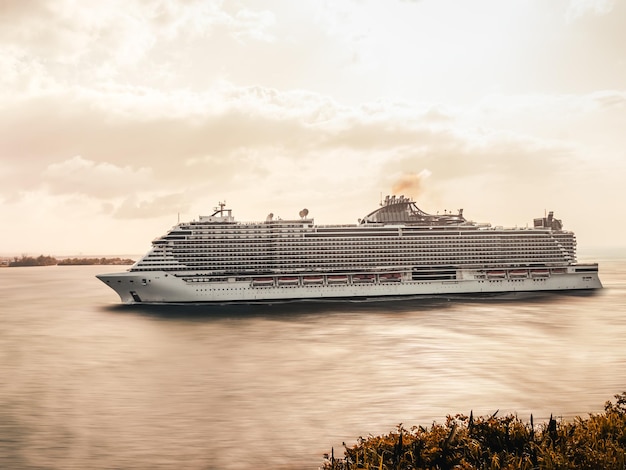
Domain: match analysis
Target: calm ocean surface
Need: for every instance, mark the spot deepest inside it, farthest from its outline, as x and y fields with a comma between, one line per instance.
x=87, y=383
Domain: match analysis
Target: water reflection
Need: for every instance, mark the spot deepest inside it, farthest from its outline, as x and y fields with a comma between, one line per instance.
x=333, y=307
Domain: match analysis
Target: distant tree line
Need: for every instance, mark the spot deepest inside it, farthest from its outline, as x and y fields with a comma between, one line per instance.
x=83, y=261
x=42, y=260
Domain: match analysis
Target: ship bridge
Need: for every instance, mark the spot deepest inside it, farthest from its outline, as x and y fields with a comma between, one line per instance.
x=402, y=210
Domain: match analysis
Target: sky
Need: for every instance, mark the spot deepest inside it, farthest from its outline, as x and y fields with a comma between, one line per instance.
x=118, y=118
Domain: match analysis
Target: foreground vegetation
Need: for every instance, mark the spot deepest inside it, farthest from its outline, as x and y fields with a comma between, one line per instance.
x=596, y=442
x=42, y=260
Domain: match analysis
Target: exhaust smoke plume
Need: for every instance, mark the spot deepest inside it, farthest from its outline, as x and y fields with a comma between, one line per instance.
x=410, y=184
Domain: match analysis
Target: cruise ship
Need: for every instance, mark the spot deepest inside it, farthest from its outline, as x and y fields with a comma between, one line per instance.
x=396, y=250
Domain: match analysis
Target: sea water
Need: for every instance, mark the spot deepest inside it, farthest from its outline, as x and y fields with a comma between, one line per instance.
x=88, y=383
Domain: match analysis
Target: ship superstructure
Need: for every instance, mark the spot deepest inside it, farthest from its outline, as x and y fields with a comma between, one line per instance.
x=396, y=250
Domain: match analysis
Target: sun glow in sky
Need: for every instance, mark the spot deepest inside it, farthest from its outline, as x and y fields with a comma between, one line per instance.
x=117, y=116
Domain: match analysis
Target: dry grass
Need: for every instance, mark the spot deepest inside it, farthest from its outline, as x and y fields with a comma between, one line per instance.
x=466, y=442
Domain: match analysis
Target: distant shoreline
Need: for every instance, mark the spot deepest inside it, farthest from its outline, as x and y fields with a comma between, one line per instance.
x=41, y=260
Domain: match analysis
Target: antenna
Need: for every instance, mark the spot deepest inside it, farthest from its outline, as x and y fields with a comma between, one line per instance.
x=222, y=204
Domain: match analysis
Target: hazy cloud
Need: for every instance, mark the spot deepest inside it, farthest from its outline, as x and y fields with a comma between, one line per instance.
x=128, y=110
x=134, y=207
x=242, y=134
x=610, y=99
x=578, y=8
x=72, y=43
x=101, y=180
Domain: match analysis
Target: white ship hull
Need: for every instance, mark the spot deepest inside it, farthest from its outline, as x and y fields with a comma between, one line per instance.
x=159, y=287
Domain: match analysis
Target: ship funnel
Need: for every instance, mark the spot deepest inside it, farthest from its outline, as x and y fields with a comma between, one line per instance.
x=269, y=217
x=304, y=213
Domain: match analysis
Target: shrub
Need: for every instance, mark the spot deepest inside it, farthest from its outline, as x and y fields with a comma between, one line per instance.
x=466, y=442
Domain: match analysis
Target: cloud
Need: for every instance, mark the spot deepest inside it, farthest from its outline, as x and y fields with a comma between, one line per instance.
x=100, y=43
x=138, y=142
x=579, y=8
x=100, y=180
x=610, y=99
x=47, y=130
x=253, y=25
x=128, y=109
x=133, y=207
x=93, y=104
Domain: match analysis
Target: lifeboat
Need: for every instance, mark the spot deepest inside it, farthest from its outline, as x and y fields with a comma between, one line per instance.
x=496, y=274
x=539, y=273
x=288, y=281
x=342, y=279
x=389, y=277
x=518, y=274
x=363, y=278
x=313, y=280
x=263, y=281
